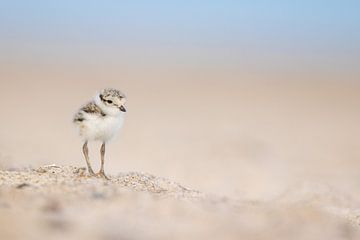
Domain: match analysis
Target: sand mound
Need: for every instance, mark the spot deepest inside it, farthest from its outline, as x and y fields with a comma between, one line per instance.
x=57, y=202
x=70, y=179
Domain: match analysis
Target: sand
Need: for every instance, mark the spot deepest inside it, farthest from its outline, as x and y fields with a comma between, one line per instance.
x=62, y=202
x=255, y=159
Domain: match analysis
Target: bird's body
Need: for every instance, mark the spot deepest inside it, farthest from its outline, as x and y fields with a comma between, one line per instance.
x=99, y=128
x=97, y=125
x=100, y=120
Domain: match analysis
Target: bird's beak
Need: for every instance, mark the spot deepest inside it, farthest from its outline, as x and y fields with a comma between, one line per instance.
x=122, y=108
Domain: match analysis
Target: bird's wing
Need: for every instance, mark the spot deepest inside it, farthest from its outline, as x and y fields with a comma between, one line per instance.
x=90, y=108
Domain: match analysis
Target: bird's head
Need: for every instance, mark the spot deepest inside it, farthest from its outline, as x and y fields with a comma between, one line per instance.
x=113, y=99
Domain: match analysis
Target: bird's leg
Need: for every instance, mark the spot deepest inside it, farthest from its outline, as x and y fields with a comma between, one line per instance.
x=86, y=154
x=102, y=172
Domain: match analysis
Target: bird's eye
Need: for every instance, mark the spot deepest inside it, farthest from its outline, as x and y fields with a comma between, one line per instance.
x=109, y=101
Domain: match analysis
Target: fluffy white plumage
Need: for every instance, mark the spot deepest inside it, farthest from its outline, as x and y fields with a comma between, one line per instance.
x=99, y=120
x=103, y=129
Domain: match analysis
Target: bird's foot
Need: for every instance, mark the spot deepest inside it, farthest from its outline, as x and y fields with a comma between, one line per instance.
x=91, y=172
x=102, y=175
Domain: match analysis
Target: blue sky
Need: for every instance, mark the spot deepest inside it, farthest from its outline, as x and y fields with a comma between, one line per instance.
x=181, y=16
x=323, y=29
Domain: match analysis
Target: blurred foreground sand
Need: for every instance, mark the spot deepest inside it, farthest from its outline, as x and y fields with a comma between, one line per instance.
x=57, y=202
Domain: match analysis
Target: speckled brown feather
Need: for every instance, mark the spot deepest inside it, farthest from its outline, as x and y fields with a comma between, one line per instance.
x=92, y=108
x=112, y=92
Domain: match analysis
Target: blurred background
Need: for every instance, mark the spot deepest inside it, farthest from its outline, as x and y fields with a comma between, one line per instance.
x=240, y=98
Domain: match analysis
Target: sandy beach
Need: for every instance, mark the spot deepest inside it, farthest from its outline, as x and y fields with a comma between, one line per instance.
x=57, y=202
x=276, y=162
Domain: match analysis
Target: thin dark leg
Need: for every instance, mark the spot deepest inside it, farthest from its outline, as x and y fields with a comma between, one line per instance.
x=102, y=152
x=86, y=154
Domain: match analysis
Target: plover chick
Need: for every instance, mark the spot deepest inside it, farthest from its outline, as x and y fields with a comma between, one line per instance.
x=100, y=120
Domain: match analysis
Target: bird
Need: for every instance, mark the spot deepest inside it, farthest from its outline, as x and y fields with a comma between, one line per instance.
x=100, y=120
